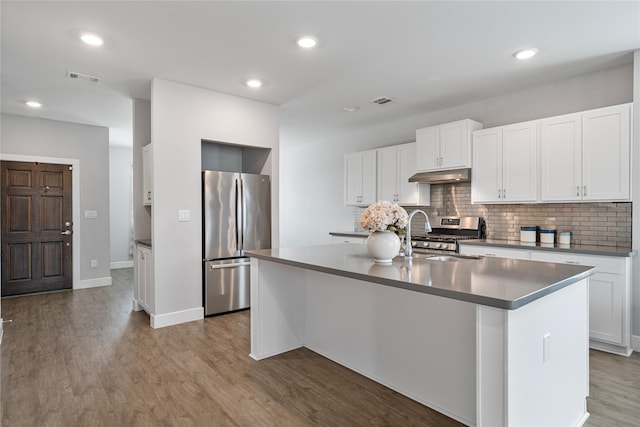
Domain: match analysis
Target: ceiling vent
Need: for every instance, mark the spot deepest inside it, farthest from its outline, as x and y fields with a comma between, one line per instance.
x=79, y=76
x=383, y=100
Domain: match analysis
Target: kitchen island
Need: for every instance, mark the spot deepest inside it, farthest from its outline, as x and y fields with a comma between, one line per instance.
x=486, y=341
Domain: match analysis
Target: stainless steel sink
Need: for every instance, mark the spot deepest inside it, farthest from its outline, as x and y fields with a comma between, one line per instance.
x=446, y=258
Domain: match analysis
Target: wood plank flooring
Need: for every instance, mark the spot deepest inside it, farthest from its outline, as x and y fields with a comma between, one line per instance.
x=83, y=358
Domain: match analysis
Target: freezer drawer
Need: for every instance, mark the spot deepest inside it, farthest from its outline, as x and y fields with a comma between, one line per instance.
x=226, y=285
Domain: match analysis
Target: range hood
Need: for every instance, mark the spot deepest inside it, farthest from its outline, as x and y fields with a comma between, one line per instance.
x=442, y=177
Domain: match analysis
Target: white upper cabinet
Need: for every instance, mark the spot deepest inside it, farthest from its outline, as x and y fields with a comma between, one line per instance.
x=586, y=156
x=360, y=178
x=505, y=164
x=606, y=153
x=561, y=158
x=486, y=176
x=446, y=146
x=396, y=164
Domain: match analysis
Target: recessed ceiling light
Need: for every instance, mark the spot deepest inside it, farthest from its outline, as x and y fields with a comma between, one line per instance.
x=254, y=83
x=525, y=53
x=91, y=39
x=33, y=104
x=307, y=42
x=352, y=108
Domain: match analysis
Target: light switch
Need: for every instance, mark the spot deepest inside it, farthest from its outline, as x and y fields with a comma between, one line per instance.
x=184, y=215
x=91, y=214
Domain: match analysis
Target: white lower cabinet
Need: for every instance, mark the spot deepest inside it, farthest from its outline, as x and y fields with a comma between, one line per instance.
x=609, y=298
x=609, y=292
x=494, y=252
x=143, y=273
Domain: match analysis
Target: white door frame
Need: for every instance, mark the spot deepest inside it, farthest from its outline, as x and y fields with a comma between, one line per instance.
x=75, y=201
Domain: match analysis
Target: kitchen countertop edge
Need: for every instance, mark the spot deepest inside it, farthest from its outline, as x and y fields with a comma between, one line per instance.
x=349, y=233
x=144, y=242
x=507, y=304
x=613, y=251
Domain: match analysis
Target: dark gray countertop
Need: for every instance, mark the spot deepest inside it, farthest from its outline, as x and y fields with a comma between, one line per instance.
x=496, y=282
x=144, y=242
x=576, y=249
x=350, y=233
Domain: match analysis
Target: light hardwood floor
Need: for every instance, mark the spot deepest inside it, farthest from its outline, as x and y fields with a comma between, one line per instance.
x=83, y=358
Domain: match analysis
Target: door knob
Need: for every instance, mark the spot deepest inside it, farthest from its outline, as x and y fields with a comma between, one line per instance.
x=67, y=232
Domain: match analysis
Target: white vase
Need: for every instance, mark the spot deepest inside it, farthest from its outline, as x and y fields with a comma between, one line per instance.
x=383, y=246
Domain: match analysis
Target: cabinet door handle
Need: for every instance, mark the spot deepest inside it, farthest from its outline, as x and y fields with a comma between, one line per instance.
x=489, y=254
x=499, y=194
x=572, y=262
x=577, y=191
x=148, y=195
x=584, y=190
x=504, y=193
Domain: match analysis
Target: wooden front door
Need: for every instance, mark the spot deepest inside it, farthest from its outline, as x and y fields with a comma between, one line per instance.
x=36, y=227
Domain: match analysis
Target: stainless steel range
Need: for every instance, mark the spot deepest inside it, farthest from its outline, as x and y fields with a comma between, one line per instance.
x=447, y=232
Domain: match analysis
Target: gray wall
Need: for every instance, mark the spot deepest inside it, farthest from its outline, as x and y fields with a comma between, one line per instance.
x=90, y=145
x=181, y=117
x=141, y=137
x=635, y=187
x=121, y=205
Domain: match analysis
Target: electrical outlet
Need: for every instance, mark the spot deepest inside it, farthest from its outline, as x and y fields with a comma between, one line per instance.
x=184, y=215
x=94, y=263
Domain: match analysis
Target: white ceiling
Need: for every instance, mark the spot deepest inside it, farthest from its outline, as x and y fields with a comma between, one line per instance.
x=427, y=55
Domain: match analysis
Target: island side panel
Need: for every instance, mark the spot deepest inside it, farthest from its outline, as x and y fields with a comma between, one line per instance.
x=420, y=345
x=277, y=308
x=491, y=362
x=548, y=359
x=533, y=362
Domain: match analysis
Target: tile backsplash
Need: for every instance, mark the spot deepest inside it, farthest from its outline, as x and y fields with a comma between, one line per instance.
x=589, y=223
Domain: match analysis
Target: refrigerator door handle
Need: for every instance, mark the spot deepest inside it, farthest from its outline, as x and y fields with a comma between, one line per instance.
x=243, y=214
x=233, y=265
x=238, y=215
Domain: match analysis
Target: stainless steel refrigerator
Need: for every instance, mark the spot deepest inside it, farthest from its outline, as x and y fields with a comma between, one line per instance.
x=236, y=218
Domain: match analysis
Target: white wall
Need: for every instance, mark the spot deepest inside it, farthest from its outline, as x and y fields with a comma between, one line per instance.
x=121, y=205
x=90, y=145
x=181, y=116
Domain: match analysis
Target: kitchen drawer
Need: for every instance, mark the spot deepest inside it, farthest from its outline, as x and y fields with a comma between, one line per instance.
x=495, y=252
x=348, y=239
x=603, y=264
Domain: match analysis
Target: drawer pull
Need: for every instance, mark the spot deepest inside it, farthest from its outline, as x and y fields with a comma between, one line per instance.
x=572, y=262
x=489, y=254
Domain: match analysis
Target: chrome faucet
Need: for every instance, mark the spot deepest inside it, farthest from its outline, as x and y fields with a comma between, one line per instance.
x=427, y=227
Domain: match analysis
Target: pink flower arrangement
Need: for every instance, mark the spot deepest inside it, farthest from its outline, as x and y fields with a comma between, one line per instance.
x=383, y=216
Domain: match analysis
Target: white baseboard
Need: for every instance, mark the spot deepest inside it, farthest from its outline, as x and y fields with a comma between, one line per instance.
x=121, y=264
x=176, y=317
x=635, y=342
x=94, y=283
